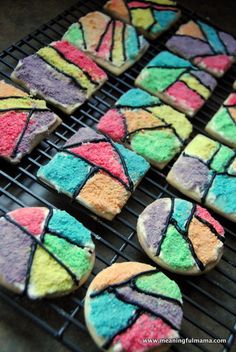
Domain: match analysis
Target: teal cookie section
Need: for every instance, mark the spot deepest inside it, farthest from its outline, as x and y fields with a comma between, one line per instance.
x=182, y=212
x=136, y=165
x=212, y=37
x=158, y=283
x=222, y=193
x=167, y=59
x=136, y=98
x=131, y=43
x=103, y=309
x=164, y=20
x=70, y=229
x=65, y=172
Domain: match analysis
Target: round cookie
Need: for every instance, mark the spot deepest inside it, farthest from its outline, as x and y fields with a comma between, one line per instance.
x=128, y=305
x=180, y=236
x=44, y=252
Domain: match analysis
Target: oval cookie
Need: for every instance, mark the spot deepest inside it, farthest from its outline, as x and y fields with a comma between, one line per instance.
x=180, y=236
x=129, y=304
x=44, y=252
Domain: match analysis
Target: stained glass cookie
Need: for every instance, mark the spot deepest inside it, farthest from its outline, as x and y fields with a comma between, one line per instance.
x=222, y=125
x=111, y=43
x=129, y=306
x=25, y=122
x=61, y=74
x=94, y=171
x=211, y=49
x=147, y=126
x=205, y=172
x=177, y=82
x=44, y=252
x=180, y=236
x=150, y=17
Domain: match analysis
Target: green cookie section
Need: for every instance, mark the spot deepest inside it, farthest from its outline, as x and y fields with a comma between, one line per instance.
x=175, y=250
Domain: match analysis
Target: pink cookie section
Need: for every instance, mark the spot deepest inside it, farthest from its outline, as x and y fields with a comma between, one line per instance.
x=112, y=124
x=31, y=218
x=106, y=46
x=145, y=328
x=179, y=91
x=77, y=57
x=103, y=155
x=231, y=99
x=205, y=215
x=11, y=127
x=218, y=62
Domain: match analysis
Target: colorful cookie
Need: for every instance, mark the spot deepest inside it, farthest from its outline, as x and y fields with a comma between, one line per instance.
x=112, y=44
x=146, y=125
x=180, y=236
x=234, y=85
x=177, y=82
x=150, y=17
x=61, y=74
x=95, y=172
x=222, y=126
x=210, y=49
x=44, y=252
x=25, y=122
x=129, y=306
x=206, y=171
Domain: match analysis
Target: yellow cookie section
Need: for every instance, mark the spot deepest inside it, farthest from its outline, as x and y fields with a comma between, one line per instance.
x=117, y=52
x=21, y=103
x=7, y=90
x=136, y=119
x=47, y=276
x=175, y=118
x=202, y=147
x=195, y=85
x=142, y=18
x=117, y=273
x=162, y=2
x=53, y=58
x=104, y=194
x=205, y=243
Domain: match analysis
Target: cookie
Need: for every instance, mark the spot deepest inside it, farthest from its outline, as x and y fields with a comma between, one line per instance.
x=208, y=48
x=234, y=85
x=94, y=171
x=129, y=306
x=177, y=82
x=205, y=172
x=25, y=122
x=180, y=236
x=222, y=125
x=151, y=18
x=61, y=74
x=112, y=44
x=44, y=252
x=147, y=126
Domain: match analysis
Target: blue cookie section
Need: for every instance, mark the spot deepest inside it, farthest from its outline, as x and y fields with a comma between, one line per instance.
x=164, y=19
x=104, y=308
x=131, y=43
x=66, y=172
x=70, y=229
x=136, y=98
x=167, y=59
x=136, y=165
x=181, y=213
x=213, y=38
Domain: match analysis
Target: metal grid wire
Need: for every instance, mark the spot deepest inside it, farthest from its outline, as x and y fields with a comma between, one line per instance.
x=209, y=300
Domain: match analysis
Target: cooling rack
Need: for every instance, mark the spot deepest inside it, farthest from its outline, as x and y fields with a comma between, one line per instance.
x=209, y=300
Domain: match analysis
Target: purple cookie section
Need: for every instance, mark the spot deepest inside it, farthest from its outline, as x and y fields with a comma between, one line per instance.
x=42, y=122
x=172, y=312
x=48, y=82
x=15, y=251
x=191, y=174
x=188, y=47
x=205, y=78
x=229, y=41
x=84, y=134
x=155, y=219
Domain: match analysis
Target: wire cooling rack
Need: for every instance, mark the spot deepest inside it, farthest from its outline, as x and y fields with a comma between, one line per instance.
x=209, y=300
